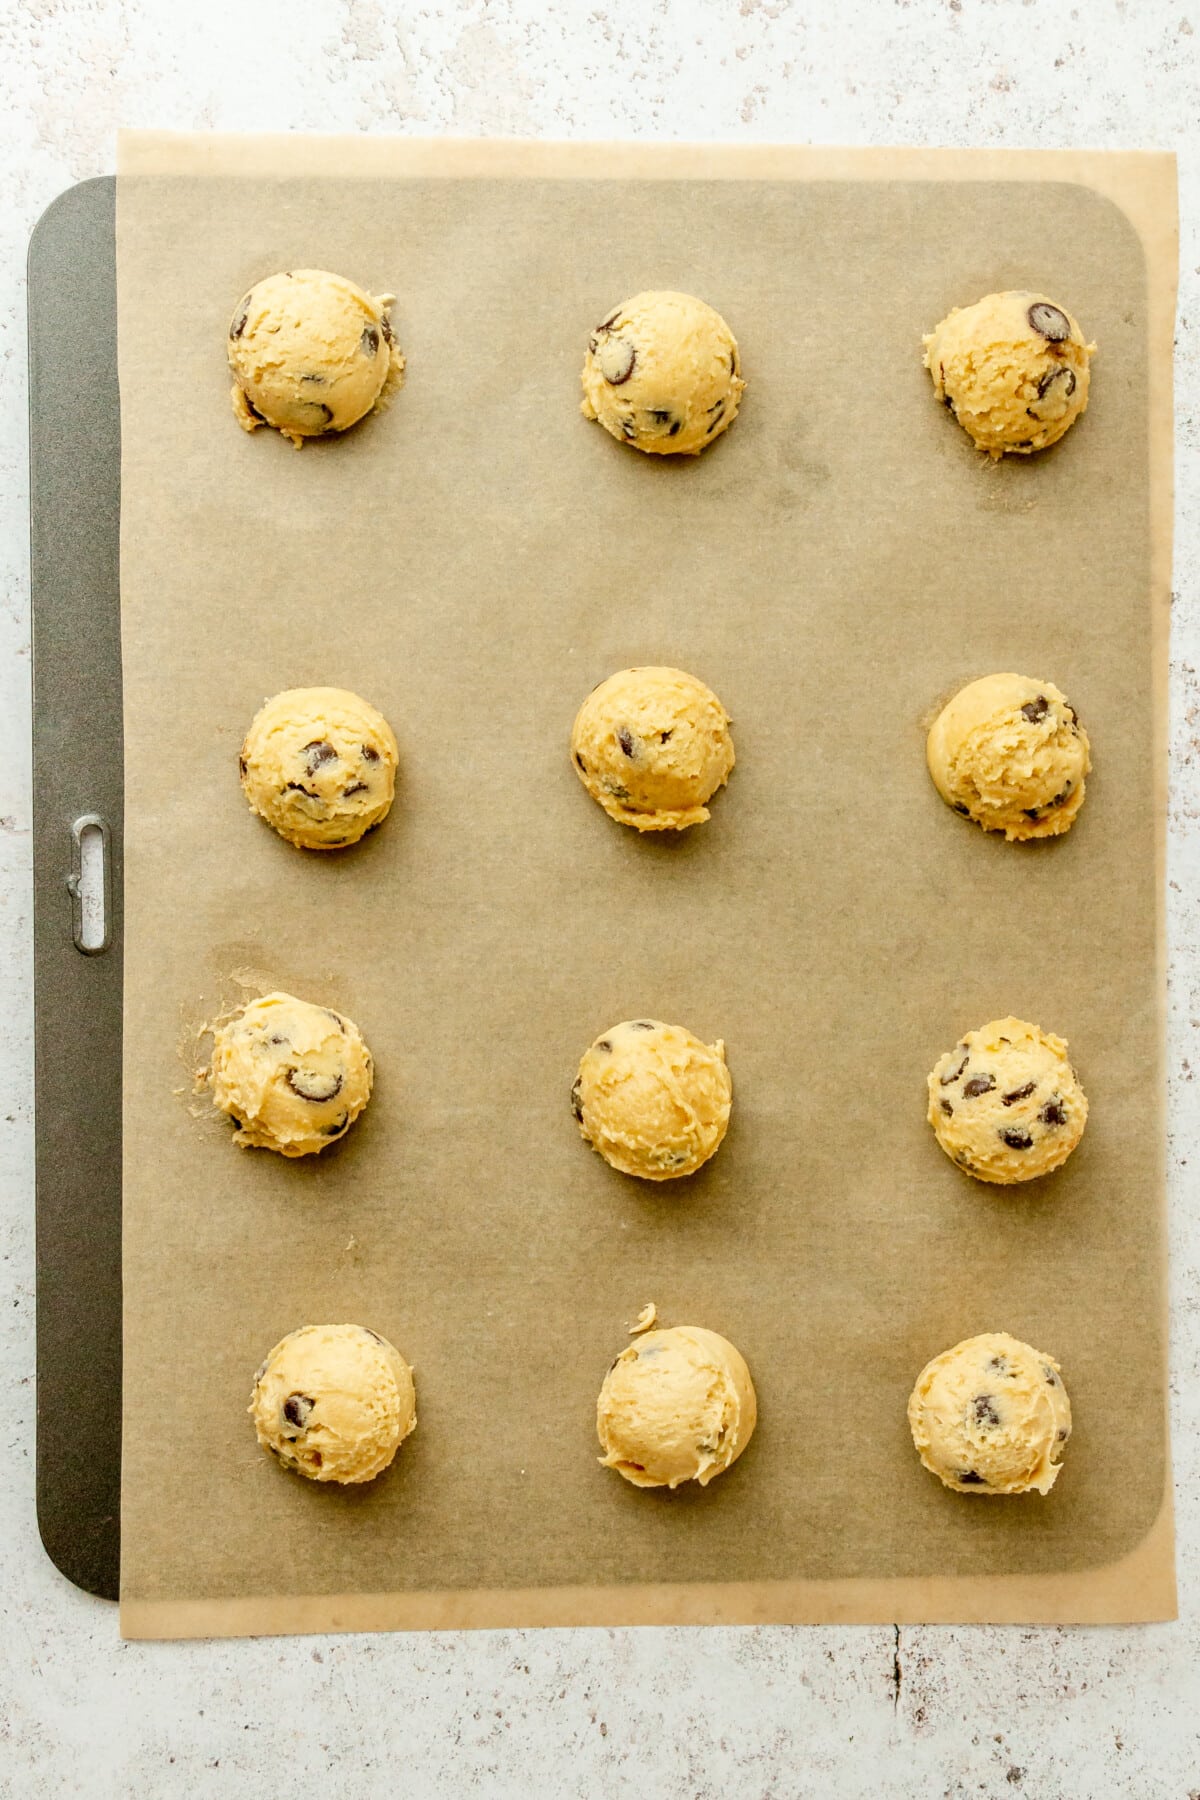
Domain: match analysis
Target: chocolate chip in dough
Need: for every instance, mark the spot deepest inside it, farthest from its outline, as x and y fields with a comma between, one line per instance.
x=1021, y=1093
x=296, y=1409
x=978, y=1084
x=615, y=358
x=1016, y=1139
x=1037, y=709
x=312, y=1084
x=1050, y=321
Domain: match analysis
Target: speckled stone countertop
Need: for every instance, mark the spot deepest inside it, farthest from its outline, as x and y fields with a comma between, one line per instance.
x=765, y=1712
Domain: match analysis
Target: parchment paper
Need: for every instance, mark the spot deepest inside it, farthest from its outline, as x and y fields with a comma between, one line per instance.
x=474, y=560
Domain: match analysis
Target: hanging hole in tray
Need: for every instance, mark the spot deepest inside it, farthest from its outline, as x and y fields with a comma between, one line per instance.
x=90, y=886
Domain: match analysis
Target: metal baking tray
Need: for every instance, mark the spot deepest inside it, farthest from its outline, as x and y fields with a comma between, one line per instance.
x=75, y=500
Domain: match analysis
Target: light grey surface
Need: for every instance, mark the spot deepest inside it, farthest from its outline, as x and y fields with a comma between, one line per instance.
x=779, y=1712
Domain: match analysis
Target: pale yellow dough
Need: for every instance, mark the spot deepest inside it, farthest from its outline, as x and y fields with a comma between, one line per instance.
x=334, y=1402
x=652, y=745
x=291, y=1076
x=679, y=1405
x=1005, y=1103
x=1009, y=752
x=652, y=1099
x=991, y=1416
x=311, y=353
x=1014, y=370
x=319, y=764
x=662, y=374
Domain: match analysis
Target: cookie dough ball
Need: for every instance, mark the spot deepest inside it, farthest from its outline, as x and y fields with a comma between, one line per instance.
x=1010, y=753
x=652, y=746
x=1013, y=369
x=310, y=353
x=334, y=1402
x=1005, y=1104
x=652, y=1099
x=662, y=373
x=319, y=764
x=291, y=1076
x=991, y=1416
x=678, y=1405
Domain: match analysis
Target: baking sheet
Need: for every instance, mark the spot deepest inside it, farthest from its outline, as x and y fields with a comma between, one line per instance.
x=474, y=560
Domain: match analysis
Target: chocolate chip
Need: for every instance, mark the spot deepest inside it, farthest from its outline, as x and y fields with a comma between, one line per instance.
x=242, y=767
x=611, y=320
x=317, y=381
x=1037, y=709
x=955, y=1073
x=372, y=1334
x=960, y=808
x=675, y=427
x=252, y=409
x=733, y=362
x=1059, y=798
x=296, y=1409
x=985, y=1410
x=239, y=324
x=1017, y=1140
x=664, y=737
x=947, y=1108
x=1051, y=1377
x=641, y=1025
x=298, y=787
x=1050, y=321
x=625, y=739
x=370, y=754
x=576, y=1100
x=320, y=406
x=1057, y=374
x=616, y=358
x=317, y=754
x=978, y=1084
x=1063, y=1435
x=603, y=1044
x=715, y=421
x=356, y=787
x=582, y=764
x=969, y=1478
x=385, y=325
x=368, y=343
x=617, y=790
x=336, y=1017
x=1053, y=1113
x=1021, y=1093
x=336, y=1130
x=312, y=1085
x=999, y=1364
x=1032, y=812
x=660, y=414
x=277, y=1037
x=628, y=430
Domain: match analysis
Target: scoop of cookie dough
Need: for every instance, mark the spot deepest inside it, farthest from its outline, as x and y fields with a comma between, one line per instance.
x=652, y=746
x=678, y=1405
x=334, y=1402
x=291, y=1076
x=652, y=1099
x=1005, y=1103
x=991, y=1416
x=661, y=373
x=1010, y=753
x=1013, y=369
x=319, y=764
x=310, y=353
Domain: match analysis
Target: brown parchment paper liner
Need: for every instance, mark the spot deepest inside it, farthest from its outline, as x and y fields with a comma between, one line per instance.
x=474, y=560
